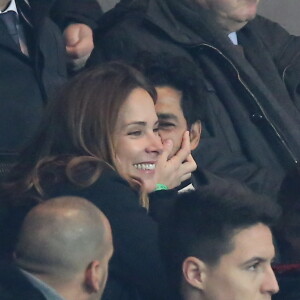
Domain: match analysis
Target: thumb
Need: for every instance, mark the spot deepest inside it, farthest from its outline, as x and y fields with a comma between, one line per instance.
x=71, y=35
x=167, y=148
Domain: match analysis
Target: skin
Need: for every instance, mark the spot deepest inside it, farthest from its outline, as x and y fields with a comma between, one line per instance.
x=172, y=123
x=84, y=275
x=136, y=140
x=243, y=274
x=4, y=4
x=79, y=44
x=232, y=15
x=104, y=261
x=90, y=283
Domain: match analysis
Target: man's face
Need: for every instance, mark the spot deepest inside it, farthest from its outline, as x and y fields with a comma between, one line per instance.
x=232, y=15
x=245, y=273
x=172, y=123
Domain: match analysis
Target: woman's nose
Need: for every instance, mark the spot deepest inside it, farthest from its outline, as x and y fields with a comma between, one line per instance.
x=154, y=144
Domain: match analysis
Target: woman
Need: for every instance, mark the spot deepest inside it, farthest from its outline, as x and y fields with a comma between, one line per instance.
x=104, y=125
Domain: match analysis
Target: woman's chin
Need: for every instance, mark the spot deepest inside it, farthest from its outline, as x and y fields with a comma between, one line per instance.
x=149, y=186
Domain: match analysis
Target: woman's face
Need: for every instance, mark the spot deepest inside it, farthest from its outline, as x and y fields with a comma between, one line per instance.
x=136, y=140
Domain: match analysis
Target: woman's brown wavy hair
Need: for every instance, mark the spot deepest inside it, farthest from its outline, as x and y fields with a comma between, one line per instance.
x=75, y=139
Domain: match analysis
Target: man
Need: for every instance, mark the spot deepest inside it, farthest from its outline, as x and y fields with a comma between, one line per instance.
x=180, y=103
x=62, y=253
x=251, y=88
x=217, y=245
x=32, y=60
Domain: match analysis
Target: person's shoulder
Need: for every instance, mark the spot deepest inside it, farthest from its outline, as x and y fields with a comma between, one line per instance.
x=14, y=285
x=110, y=189
x=119, y=18
x=266, y=27
x=110, y=176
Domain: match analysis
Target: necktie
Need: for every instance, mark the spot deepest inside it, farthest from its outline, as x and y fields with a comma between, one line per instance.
x=10, y=20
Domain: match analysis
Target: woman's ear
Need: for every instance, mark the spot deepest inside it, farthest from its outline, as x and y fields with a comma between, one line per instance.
x=195, y=133
x=194, y=272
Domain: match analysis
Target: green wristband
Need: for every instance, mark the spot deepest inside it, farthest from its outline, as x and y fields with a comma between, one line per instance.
x=160, y=187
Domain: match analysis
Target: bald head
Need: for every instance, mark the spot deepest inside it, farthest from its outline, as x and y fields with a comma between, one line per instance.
x=62, y=236
x=4, y=4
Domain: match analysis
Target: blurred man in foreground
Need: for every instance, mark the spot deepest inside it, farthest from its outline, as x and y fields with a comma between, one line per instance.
x=63, y=251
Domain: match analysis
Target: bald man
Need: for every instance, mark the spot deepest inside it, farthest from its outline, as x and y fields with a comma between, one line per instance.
x=62, y=253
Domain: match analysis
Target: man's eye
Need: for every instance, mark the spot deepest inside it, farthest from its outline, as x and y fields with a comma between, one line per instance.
x=166, y=124
x=254, y=267
x=135, y=133
x=156, y=129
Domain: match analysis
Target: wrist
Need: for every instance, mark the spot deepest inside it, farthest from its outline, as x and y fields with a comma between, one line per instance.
x=160, y=186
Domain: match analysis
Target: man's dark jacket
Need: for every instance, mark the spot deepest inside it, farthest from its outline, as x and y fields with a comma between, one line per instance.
x=28, y=82
x=15, y=286
x=251, y=132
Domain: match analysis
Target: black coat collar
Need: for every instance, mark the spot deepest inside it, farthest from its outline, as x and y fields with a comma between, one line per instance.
x=14, y=285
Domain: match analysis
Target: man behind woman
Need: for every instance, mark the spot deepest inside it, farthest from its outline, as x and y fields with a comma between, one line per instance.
x=100, y=141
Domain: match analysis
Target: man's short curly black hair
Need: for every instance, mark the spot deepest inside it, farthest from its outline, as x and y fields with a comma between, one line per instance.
x=179, y=73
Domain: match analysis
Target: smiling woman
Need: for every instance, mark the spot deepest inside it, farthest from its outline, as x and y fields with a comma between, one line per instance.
x=137, y=143
x=100, y=141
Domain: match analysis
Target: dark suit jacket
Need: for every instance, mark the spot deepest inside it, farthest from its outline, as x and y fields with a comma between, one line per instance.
x=15, y=286
x=26, y=82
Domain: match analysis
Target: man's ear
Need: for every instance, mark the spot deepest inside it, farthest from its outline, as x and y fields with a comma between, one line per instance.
x=195, y=133
x=93, y=277
x=194, y=272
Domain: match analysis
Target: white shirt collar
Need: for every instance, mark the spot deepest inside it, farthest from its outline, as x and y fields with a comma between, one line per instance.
x=11, y=7
x=233, y=38
x=187, y=188
x=48, y=292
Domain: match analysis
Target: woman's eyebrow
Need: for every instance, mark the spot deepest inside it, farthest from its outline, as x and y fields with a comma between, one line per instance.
x=140, y=123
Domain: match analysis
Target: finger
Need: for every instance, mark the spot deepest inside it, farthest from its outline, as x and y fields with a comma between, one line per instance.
x=186, y=177
x=71, y=35
x=78, y=40
x=78, y=50
x=191, y=160
x=187, y=167
x=167, y=149
x=184, y=150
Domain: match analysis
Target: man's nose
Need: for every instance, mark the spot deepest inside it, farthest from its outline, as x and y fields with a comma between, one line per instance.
x=270, y=284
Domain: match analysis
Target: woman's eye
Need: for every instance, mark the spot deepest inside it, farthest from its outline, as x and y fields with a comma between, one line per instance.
x=155, y=129
x=135, y=133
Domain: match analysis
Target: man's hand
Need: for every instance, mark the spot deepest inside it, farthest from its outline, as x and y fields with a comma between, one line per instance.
x=79, y=44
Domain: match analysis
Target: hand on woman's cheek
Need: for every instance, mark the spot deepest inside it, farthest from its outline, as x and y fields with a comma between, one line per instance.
x=171, y=172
